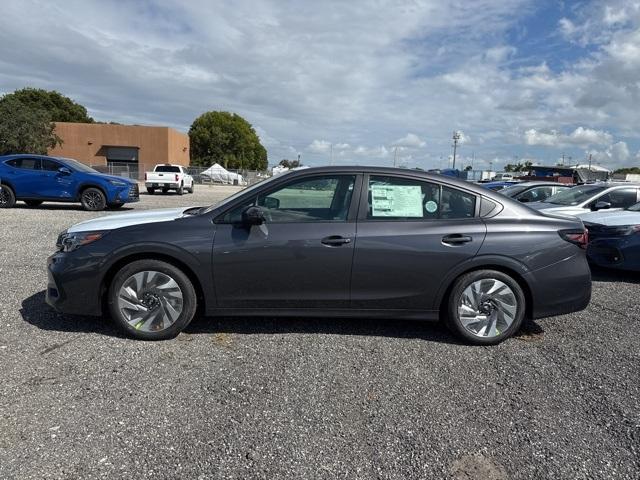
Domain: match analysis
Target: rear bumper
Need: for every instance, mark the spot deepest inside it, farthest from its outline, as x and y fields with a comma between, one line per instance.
x=73, y=286
x=563, y=287
x=162, y=184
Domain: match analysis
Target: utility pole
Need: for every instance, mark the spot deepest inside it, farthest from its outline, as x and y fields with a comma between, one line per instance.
x=332, y=154
x=395, y=155
x=562, y=159
x=456, y=138
x=590, y=161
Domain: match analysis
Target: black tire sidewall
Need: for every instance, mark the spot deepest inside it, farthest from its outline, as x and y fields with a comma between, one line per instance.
x=453, y=321
x=97, y=209
x=188, y=295
x=151, y=191
x=12, y=197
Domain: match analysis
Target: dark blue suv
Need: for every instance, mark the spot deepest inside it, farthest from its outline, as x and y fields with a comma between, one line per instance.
x=37, y=178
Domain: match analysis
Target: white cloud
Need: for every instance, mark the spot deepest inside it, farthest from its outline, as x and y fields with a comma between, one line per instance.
x=410, y=140
x=615, y=155
x=355, y=74
x=581, y=137
x=319, y=146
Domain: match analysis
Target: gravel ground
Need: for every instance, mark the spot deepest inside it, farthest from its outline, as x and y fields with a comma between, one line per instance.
x=300, y=398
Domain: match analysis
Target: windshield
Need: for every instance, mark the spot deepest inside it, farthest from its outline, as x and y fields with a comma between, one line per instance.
x=513, y=190
x=80, y=167
x=243, y=191
x=575, y=195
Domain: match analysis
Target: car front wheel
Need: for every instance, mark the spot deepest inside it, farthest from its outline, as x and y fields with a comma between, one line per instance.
x=485, y=307
x=152, y=300
x=93, y=199
x=7, y=197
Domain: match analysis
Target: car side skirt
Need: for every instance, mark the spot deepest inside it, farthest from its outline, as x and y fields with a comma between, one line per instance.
x=428, y=315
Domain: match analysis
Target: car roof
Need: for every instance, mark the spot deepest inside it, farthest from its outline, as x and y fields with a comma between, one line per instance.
x=535, y=183
x=28, y=155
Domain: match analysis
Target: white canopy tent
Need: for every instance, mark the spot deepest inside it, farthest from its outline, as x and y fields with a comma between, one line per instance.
x=217, y=173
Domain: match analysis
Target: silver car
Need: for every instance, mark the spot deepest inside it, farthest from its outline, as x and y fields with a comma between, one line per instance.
x=590, y=198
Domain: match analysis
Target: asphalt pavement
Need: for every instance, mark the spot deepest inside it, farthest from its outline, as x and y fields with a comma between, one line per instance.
x=274, y=398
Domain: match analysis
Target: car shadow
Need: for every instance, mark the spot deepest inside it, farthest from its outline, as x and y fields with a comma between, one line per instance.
x=68, y=207
x=36, y=312
x=601, y=274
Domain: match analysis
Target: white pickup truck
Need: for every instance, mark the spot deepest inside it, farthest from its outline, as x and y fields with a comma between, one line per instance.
x=168, y=177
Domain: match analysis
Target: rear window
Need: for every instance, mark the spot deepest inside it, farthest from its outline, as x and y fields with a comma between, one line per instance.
x=167, y=168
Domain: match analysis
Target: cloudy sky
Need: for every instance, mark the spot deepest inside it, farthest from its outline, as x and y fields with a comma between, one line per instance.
x=359, y=81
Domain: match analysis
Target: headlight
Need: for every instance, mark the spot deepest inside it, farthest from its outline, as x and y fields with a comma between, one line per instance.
x=118, y=183
x=68, y=242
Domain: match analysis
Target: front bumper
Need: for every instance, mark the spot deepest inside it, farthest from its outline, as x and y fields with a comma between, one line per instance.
x=615, y=252
x=73, y=284
x=128, y=194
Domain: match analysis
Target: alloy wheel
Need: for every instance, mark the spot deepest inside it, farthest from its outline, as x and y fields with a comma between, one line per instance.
x=150, y=301
x=487, y=308
x=92, y=199
x=5, y=196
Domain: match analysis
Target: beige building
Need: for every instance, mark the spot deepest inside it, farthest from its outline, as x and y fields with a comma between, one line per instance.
x=121, y=148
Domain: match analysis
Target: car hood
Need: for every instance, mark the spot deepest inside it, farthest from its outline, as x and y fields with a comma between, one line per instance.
x=104, y=176
x=557, y=209
x=621, y=217
x=111, y=222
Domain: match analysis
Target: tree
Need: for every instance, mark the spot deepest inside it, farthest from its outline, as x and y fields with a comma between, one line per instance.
x=628, y=170
x=468, y=168
x=226, y=138
x=290, y=163
x=59, y=107
x=25, y=129
x=518, y=167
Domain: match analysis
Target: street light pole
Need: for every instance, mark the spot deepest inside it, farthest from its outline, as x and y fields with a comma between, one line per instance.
x=456, y=138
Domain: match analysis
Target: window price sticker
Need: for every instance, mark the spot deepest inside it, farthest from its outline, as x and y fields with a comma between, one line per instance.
x=396, y=201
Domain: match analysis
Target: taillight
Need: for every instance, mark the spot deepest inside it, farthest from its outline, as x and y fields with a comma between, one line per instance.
x=176, y=177
x=577, y=237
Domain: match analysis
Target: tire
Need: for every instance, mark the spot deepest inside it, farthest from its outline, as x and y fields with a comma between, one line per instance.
x=498, y=297
x=93, y=199
x=161, y=320
x=33, y=203
x=7, y=197
x=190, y=189
x=180, y=190
x=115, y=206
x=151, y=191
x=165, y=190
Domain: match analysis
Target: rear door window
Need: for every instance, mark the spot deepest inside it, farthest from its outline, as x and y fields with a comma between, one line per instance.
x=398, y=198
x=25, y=163
x=50, y=165
x=621, y=198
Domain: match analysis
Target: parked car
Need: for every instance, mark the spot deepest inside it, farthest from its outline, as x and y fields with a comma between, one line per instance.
x=526, y=192
x=36, y=178
x=168, y=177
x=614, y=238
x=497, y=186
x=503, y=177
x=339, y=241
x=590, y=198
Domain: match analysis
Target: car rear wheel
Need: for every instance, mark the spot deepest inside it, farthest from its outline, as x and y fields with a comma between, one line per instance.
x=33, y=203
x=93, y=199
x=485, y=307
x=151, y=191
x=152, y=300
x=7, y=197
x=180, y=190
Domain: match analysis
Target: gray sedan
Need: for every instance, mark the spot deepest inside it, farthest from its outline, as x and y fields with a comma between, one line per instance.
x=334, y=241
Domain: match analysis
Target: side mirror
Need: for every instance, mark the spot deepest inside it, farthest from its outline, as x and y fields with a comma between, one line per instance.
x=253, y=216
x=64, y=171
x=271, y=203
x=601, y=206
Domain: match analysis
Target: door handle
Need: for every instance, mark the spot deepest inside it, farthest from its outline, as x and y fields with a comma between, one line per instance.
x=335, y=240
x=456, y=239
